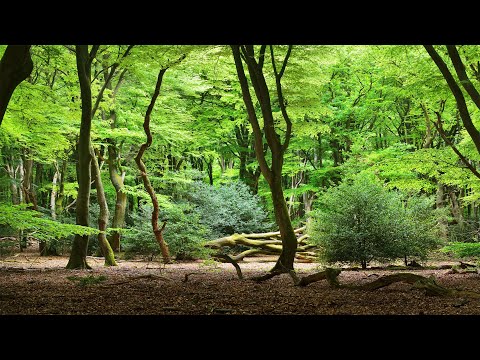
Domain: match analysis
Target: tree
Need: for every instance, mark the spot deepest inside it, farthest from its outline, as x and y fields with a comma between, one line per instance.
x=143, y=170
x=78, y=256
x=272, y=173
x=15, y=66
x=363, y=221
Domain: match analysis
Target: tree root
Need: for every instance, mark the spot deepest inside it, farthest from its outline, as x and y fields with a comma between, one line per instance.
x=266, y=276
x=429, y=285
x=231, y=261
x=329, y=274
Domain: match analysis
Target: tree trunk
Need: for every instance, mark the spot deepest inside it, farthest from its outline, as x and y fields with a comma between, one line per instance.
x=27, y=183
x=272, y=175
x=78, y=256
x=43, y=247
x=10, y=169
x=21, y=175
x=143, y=172
x=15, y=66
x=289, y=240
x=120, y=200
x=53, y=194
x=103, y=215
x=427, y=142
x=210, y=171
x=61, y=188
x=457, y=210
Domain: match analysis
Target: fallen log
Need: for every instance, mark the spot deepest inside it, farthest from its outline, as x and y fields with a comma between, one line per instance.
x=264, y=243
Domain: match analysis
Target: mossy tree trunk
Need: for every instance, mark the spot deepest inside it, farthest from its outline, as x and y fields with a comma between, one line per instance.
x=115, y=170
x=103, y=215
x=120, y=199
x=15, y=66
x=272, y=173
x=78, y=255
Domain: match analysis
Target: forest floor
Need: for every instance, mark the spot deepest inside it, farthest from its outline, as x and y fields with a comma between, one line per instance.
x=33, y=285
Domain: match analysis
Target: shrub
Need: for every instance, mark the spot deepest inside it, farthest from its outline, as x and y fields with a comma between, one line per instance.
x=183, y=233
x=362, y=221
x=229, y=209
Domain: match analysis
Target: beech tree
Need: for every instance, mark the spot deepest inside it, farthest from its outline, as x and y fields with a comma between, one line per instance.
x=78, y=256
x=273, y=172
x=88, y=166
x=158, y=232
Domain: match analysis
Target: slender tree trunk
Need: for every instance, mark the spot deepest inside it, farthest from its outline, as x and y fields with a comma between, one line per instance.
x=38, y=179
x=210, y=171
x=78, y=256
x=10, y=169
x=21, y=176
x=103, y=215
x=120, y=200
x=427, y=143
x=61, y=188
x=27, y=183
x=143, y=171
x=15, y=66
x=53, y=194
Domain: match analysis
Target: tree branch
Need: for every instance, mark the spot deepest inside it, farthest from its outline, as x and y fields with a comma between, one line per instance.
x=457, y=93
x=278, y=77
x=114, y=67
x=261, y=58
x=439, y=128
x=462, y=74
x=252, y=116
x=92, y=54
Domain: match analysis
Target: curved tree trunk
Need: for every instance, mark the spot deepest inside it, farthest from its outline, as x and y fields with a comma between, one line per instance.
x=15, y=66
x=143, y=172
x=273, y=173
x=289, y=240
x=103, y=215
x=120, y=200
x=78, y=256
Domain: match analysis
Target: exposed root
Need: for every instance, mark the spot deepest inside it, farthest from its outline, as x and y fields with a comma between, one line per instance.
x=231, y=261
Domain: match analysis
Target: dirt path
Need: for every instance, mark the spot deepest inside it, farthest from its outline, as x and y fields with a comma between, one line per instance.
x=32, y=285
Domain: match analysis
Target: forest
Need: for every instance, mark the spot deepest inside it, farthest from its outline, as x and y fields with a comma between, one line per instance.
x=239, y=179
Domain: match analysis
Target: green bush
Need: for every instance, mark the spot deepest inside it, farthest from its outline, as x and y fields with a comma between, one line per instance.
x=463, y=250
x=183, y=233
x=228, y=209
x=362, y=221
